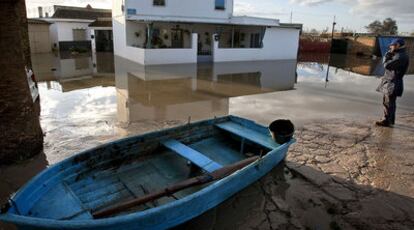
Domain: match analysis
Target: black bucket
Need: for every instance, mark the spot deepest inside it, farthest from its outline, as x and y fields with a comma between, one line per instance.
x=282, y=131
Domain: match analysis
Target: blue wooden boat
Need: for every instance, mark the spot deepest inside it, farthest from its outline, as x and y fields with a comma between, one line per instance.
x=64, y=195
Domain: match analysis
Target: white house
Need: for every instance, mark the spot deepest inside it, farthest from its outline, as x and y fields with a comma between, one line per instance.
x=70, y=26
x=153, y=32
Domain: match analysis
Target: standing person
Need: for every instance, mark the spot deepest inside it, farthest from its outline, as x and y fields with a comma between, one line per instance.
x=396, y=63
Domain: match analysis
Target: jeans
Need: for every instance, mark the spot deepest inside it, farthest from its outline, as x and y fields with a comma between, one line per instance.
x=390, y=107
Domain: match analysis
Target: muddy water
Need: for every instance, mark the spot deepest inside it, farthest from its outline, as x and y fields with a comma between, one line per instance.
x=90, y=100
x=87, y=101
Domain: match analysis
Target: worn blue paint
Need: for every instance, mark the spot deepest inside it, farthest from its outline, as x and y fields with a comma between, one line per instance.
x=190, y=154
x=62, y=200
x=217, y=150
x=245, y=132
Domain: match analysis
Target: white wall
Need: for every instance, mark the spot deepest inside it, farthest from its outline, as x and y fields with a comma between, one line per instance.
x=172, y=56
x=150, y=56
x=65, y=30
x=54, y=35
x=131, y=38
x=120, y=42
x=117, y=8
x=181, y=8
x=39, y=37
x=278, y=44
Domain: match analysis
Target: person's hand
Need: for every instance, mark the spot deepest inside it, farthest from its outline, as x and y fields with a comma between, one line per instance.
x=389, y=55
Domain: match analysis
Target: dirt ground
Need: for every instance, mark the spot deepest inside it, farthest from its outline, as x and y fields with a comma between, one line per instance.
x=340, y=174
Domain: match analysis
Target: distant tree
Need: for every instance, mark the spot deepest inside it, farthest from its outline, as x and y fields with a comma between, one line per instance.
x=390, y=26
x=387, y=27
x=314, y=32
x=375, y=27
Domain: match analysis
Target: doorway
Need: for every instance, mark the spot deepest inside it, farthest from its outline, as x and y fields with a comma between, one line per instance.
x=104, y=41
x=177, y=40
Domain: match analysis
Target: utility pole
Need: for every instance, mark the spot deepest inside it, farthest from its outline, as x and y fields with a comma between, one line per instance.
x=330, y=53
x=333, y=27
x=291, y=16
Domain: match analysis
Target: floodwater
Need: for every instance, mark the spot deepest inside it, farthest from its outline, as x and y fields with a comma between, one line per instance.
x=90, y=100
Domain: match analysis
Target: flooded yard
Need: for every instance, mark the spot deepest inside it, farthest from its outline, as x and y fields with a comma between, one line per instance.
x=338, y=173
x=89, y=100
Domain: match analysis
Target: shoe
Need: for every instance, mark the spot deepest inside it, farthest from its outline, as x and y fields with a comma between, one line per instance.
x=383, y=123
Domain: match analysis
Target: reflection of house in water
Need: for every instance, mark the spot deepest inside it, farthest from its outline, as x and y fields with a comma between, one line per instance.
x=175, y=92
x=365, y=66
x=103, y=63
x=72, y=68
x=76, y=73
x=68, y=85
x=361, y=65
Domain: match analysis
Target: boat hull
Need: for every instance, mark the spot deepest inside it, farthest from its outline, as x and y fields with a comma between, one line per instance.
x=171, y=214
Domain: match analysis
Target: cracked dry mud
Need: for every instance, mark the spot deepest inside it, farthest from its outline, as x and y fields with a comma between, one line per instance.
x=339, y=175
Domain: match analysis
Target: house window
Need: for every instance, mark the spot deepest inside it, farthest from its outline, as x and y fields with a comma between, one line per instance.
x=220, y=4
x=159, y=3
x=255, y=40
x=79, y=35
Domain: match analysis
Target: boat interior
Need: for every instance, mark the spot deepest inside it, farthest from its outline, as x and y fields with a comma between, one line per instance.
x=138, y=166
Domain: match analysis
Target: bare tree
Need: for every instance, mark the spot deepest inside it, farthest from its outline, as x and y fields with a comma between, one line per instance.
x=387, y=27
x=20, y=133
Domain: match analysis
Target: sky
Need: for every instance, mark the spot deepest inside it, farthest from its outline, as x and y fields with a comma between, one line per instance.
x=351, y=15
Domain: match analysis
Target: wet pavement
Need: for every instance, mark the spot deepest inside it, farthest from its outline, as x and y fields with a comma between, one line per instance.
x=342, y=174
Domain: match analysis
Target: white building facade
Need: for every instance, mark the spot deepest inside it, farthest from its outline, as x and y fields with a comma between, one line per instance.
x=155, y=32
x=75, y=27
x=66, y=32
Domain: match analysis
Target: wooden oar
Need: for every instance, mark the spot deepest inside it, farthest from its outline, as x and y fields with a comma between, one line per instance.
x=170, y=190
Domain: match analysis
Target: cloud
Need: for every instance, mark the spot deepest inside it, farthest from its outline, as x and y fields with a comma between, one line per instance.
x=402, y=10
x=93, y=3
x=310, y=2
x=244, y=8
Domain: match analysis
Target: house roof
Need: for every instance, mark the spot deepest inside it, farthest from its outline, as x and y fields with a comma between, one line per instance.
x=88, y=13
x=37, y=21
x=292, y=25
x=247, y=20
x=102, y=22
x=237, y=20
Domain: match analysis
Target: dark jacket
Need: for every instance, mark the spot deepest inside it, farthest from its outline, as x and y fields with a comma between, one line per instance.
x=396, y=66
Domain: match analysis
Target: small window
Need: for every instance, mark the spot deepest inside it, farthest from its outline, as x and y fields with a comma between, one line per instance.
x=159, y=3
x=220, y=4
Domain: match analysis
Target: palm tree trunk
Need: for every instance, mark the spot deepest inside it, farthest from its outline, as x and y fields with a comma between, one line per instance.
x=20, y=132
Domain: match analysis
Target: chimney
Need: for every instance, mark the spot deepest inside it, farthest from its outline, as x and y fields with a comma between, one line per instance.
x=40, y=9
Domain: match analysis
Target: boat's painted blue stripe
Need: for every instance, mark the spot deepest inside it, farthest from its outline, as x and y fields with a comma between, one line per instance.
x=192, y=155
x=249, y=134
